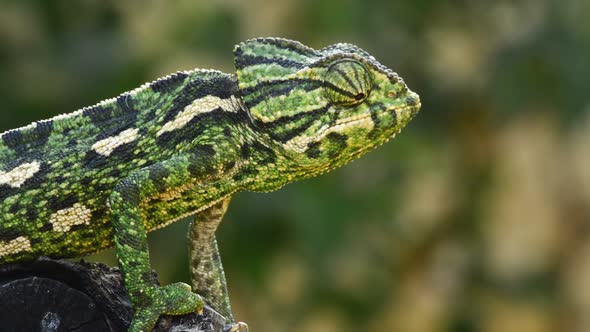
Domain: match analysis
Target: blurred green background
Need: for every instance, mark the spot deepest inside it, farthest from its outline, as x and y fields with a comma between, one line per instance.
x=476, y=218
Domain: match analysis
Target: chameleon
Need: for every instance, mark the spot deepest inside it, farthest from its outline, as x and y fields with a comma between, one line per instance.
x=182, y=146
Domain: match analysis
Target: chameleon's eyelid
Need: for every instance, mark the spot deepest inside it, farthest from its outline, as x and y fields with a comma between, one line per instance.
x=355, y=75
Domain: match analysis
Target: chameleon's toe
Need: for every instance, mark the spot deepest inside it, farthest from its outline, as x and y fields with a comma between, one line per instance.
x=177, y=299
x=174, y=299
x=236, y=327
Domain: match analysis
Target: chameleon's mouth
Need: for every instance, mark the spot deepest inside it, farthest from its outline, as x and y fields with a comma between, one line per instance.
x=366, y=120
x=300, y=144
x=359, y=119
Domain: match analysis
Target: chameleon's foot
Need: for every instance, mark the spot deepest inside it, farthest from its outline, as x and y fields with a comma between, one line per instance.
x=174, y=299
x=236, y=327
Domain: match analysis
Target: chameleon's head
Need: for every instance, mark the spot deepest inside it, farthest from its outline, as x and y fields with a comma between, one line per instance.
x=325, y=107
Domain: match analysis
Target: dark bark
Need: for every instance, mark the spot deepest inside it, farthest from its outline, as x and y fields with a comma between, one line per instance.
x=58, y=295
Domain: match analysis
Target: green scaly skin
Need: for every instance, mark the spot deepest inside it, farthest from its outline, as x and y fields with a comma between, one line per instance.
x=182, y=145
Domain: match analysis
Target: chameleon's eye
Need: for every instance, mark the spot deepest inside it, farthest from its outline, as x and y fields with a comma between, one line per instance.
x=347, y=83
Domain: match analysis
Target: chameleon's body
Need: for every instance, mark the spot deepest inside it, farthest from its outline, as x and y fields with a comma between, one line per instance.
x=108, y=174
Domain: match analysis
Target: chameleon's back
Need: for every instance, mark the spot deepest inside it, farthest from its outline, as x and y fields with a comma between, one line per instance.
x=42, y=174
x=56, y=175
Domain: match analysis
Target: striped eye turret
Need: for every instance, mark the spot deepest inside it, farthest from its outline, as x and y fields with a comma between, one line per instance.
x=347, y=83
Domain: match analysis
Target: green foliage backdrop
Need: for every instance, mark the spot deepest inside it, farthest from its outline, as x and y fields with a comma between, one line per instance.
x=476, y=218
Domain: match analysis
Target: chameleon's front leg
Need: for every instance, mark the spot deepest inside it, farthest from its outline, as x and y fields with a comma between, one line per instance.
x=207, y=276
x=149, y=300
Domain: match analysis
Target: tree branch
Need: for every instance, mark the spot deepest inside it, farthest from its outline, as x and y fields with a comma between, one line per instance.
x=50, y=295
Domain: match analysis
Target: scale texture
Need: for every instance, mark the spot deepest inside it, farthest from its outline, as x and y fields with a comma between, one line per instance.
x=182, y=145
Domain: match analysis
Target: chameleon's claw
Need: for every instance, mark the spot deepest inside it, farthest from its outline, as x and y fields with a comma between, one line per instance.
x=236, y=327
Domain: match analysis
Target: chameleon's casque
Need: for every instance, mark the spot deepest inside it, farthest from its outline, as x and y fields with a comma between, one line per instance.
x=182, y=145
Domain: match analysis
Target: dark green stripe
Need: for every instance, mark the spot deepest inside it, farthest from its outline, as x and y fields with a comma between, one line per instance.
x=294, y=118
x=338, y=89
x=347, y=79
x=247, y=60
x=289, y=134
x=291, y=45
x=357, y=78
x=278, y=88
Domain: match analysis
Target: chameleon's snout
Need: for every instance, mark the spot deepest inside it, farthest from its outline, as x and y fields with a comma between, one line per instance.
x=413, y=101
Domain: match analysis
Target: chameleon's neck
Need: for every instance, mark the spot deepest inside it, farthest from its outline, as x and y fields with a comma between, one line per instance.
x=210, y=103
